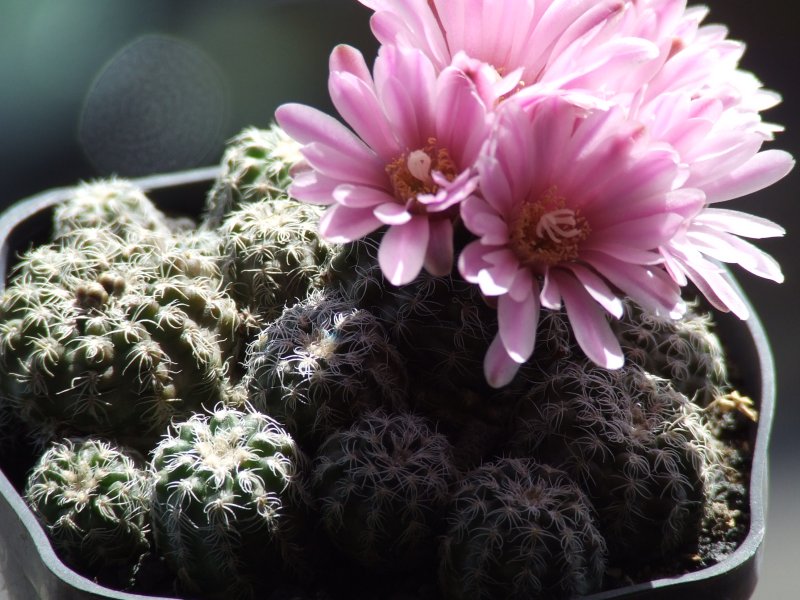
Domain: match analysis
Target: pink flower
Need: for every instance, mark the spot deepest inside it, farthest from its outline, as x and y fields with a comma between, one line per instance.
x=408, y=164
x=572, y=47
x=572, y=209
x=705, y=107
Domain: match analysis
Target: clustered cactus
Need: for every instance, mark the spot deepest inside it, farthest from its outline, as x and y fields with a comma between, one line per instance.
x=295, y=406
x=93, y=498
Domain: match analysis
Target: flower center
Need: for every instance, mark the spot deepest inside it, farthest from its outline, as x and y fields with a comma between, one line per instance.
x=545, y=232
x=411, y=174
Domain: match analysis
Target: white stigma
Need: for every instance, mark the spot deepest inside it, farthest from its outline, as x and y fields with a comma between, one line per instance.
x=419, y=165
x=557, y=225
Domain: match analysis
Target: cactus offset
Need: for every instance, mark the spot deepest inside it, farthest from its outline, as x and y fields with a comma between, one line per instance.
x=321, y=364
x=686, y=351
x=116, y=205
x=107, y=335
x=94, y=503
x=382, y=487
x=639, y=448
x=518, y=529
x=272, y=255
x=227, y=495
x=255, y=167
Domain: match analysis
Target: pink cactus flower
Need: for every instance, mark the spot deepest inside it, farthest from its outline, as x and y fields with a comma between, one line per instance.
x=572, y=209
x=408, y=165
x=570, y=47
x=707, y=109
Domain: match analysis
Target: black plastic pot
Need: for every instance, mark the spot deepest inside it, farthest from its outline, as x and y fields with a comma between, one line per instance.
x=25, y=549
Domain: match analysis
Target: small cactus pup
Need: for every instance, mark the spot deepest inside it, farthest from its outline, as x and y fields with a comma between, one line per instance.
x=518, y=529
x=227, y=497
x=320, y=365
x=93, y=500
x=640, y=449
x=113, y=336
x=255, y=166
x=686, y=351
x=117, y=205
x=272, y=255
x=382, y=487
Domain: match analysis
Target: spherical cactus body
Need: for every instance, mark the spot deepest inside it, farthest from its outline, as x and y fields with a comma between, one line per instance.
x=114, y=335
x=94, y=502
x=272, y=255
x=227, y=497
x=320, y=365
x=639, y=448
x=686, y=351
x=255, y=167
x=382, y=487
x=116, y=205
x=518, y=529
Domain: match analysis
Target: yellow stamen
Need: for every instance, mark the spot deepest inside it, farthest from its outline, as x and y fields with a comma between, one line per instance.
x=546, y=232
x=411, y=174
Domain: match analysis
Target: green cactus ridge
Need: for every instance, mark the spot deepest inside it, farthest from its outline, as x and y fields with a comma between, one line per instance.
x=256, y=166
x=272, y=255
x=640, y=449
x=320, y=365
x=94, y=502
x=519, y=529
x=227, y=496
x=103, y=335
x=382, y=488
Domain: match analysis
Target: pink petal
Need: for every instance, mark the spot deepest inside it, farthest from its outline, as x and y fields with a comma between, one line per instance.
x=739, y=223
x=360, y=196
x=483, y=221
x=392, y=213
x=517, y=322
x=332, y=163
x=439, y=256
x=357, y=103
x=597, y=289
x=340, y=224
x=471, y=261
x=764, y=169
x=589, y=323
x=402, y=250
x=498, y=367
x=347, y=59
x=313, y=188
x=308, y=125
x=461, y=119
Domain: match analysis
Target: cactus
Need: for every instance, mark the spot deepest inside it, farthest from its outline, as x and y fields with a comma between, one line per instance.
x=320, y=365
x=227, y=495
x=640, y=449
x=686, y=351
x=272, y=255
x=519, y=529
x=255, y=167
x=382, y=487
x=106, y=335
x=116, y=205
x=94, y=502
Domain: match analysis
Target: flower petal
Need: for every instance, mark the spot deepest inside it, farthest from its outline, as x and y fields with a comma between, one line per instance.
x=340, y=224
x=589, y=323
x=498, y=367
x=402, y=250
x=439, y=256
x=517, y=322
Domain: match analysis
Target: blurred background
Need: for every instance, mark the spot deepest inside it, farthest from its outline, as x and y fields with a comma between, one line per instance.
x=90, y=88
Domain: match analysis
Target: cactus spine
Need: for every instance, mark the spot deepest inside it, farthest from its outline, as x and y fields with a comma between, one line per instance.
x=518, y=529
x=94, y=502
x=227, y=491
x=382, y=487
